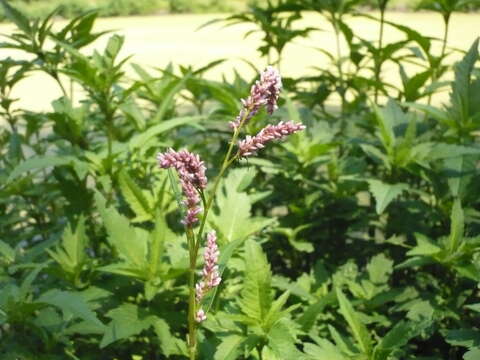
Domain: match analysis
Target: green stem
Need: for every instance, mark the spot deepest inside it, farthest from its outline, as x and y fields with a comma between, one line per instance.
x=339, y=64
x=227, y=161
x=435, y=74
x=379, y=62
x=109, y=147
x=259, y=351
x=445, y=36
x=54, y=74
x=192, y=337
x=194, y=244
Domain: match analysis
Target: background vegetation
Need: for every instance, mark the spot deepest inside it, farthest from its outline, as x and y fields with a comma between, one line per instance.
x=356, y=239
x=70, y=8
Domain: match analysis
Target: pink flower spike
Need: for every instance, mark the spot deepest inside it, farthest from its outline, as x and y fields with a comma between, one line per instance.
x=191, y=171
x=271, y=78
x=200, y=316
x=264, y=92
x=251, y=144
x=210, y=276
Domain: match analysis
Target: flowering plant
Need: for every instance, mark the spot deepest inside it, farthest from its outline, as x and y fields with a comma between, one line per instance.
x=191, y=172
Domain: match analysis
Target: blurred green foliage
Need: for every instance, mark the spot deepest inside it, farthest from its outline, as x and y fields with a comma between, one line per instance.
x=357, y=239
x=70, y=8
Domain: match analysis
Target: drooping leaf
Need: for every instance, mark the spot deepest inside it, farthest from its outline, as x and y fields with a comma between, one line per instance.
x=39, y=163
x=138, y=141
x=71, y=304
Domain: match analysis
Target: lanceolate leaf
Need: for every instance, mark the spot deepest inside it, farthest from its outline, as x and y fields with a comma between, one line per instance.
x=397, y=337
x=457, y=226
x=460, y=109
x=39, y=163
x=358, y=329
x=140, y=140
x=71, y=304
x=141, y=203
x=230, y=347
x=130, y=242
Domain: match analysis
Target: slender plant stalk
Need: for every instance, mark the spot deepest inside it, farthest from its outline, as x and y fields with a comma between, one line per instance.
x=435, y=75
x=194, y=242
x=339, y=64
x=192, y=340
x=378, y=64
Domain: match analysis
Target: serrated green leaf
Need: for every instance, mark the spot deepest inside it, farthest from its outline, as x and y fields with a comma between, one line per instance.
x=70, y=255
x=398, y=337
x=275, y=312
x=256, y=295
x=385, y=193
x=358, y=329
x=230, y=347
x=71, y=304
x=136, y=199
x=130, y=242
x=233, y=218
x=379, y=269
x=460, y=95
x=456, y=226
x=424, y=247
x=325, y=350
x=282, y=341
x=7, y=251
x=460, y=171
x=127, y=320
x=169, y=344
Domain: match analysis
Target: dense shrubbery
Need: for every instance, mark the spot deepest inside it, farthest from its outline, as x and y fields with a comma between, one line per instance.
x=357, y=238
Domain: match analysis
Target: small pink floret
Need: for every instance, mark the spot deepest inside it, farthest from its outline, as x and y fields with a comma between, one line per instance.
x=200, y=316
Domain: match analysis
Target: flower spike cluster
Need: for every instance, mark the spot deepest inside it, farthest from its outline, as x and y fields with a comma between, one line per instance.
x=264, y=92
x=191, y=171
x=210, y=276
x=251, y=144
